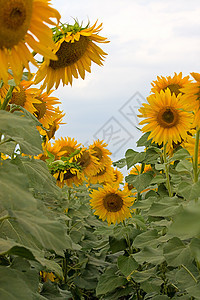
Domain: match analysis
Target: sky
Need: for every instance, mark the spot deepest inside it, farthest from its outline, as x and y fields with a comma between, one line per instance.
x=148, y=38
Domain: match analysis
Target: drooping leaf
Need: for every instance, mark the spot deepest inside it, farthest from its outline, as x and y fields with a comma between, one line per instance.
x=134, y=157
x=22, y=130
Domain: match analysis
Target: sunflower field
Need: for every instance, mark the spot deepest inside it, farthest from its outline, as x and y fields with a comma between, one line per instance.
x=71, y=226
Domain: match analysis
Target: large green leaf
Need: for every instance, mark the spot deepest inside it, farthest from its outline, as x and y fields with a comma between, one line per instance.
x=134, y=157
x=127, y=265
x=13, y=285
x=140, y=182
x=38, y=176
x=108, y=282
x=177, y=253
x=149, y=254
x=22, y=130
x=25, y=212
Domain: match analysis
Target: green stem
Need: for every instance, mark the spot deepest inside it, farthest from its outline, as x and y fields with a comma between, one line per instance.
x=186, y=269
x=4, y=218
x=7, y=98
x=196, y=152
x=167, y=170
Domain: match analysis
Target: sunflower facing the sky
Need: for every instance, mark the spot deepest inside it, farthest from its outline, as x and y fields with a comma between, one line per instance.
x=174, y=83
x=66, y=146
x=165, y=117
x=23, y=25
x=75, y=47
x=111, y=204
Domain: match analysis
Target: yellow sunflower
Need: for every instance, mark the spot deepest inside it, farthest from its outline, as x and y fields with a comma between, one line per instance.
x=54, y=125
x=105, y=174
x=190, y=147
x=165, y=117
x=118, y=178
x=75, y=48
x=66, y=146
x=100, y=151
x=25, y=96
x=69, y=177
x=50, y=148
x=23, y=25
x=111, y=203
x=173, y=83
x=191, y=97
x=45, y=110
x=47, y=276
x=88, y=162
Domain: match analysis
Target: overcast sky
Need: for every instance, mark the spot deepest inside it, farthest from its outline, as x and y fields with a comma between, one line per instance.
x=148, y=38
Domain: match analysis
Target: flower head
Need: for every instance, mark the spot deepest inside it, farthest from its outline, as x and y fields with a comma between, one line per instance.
x=111, y=203
x=75, y=47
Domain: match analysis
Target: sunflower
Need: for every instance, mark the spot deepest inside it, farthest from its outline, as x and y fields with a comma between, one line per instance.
x=105, y=174
x=45, y=110
x=102, y=154
x=190, y=147
x=75, y=48
x=25, y=96
x=111, y=203
x=118, y=178
x=88, y=162
x=69, y=177
x=165, y=117
x=191, y=97
x=47, y=276
x=23, y=25
x=54, y=125
x=173, y=83
x=66, y=147
x=47, y=147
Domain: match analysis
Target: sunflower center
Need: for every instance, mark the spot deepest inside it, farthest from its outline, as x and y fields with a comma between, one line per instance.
x=67, y=149
x=41, y=109
x=68, y=175
x=168, y=117
x=174, y=88
x=15, y=18
x=69, y=53
x=18, y=98
x=84, y=160
x=98, y=153
x=112, y=202
x=51, y=130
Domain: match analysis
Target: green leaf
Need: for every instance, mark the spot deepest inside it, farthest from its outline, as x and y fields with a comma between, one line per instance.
x=176, y=253
x=22, y=130
x=38, y=176
x=170, y=208
x=120, y=163
x=184, y=166
x=150, y=255
x=108, y=282
x=180, y=155
x=133, y=157
x=8, y=147
x=143, y=141
x=188, y=190
x=148, y=238
x=127, y=264
x=158, y=179
x=117, y=245
x=140, y=182
x=13, y=285
x=51, y=291
x=185, y=224
x=142, y=276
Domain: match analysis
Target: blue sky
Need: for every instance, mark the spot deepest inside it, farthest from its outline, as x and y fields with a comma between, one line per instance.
x=147, y=39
